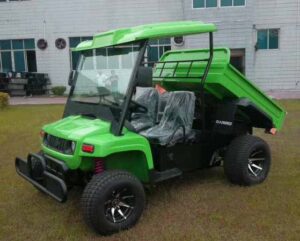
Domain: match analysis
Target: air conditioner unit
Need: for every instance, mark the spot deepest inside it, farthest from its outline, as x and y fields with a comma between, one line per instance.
x=178, y=41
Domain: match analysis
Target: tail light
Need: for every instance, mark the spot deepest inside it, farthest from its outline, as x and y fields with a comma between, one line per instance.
x=273, y=131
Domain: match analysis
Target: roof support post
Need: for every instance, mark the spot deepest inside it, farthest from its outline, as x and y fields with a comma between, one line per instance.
x=117, y=127
x=211, y=55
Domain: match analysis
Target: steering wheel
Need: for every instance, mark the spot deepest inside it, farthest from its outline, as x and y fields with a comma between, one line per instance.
x=133, y=106
x=137, y=107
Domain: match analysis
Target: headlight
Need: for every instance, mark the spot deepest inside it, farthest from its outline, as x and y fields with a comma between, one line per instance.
x=73, y=146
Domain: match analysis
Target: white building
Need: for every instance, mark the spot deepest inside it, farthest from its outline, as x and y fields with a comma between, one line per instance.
x=264, y=35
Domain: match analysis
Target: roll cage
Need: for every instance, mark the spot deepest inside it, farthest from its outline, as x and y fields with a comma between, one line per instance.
x=116, y=127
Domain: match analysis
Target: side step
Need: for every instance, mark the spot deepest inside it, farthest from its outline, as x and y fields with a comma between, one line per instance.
x=157, y=176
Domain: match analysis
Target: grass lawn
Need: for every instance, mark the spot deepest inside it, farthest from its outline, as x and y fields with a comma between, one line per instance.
x=201, y=206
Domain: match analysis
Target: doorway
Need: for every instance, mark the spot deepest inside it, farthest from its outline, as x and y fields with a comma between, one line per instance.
x=237, y=59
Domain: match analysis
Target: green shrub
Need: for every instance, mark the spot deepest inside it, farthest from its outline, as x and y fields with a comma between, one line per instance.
x=4, y=98
x=58, y=90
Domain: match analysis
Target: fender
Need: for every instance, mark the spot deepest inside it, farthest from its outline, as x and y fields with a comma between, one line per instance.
x=130, y=151
x=229, y=112
x=257, y=117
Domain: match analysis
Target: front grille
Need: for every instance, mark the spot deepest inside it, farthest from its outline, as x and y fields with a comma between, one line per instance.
x=55, y=167
x=59, y=144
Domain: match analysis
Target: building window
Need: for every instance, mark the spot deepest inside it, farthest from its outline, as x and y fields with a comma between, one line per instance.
x=112, y=60
x=216, y=3
x=230, y=3
x=157, y=48
x=17, y=55
x=268, y=39
x=205, y=3
x=13, y=0
x=74, y=56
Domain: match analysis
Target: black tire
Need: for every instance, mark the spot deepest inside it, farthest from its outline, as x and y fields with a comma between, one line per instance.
x=247, y=160
x=100, y=197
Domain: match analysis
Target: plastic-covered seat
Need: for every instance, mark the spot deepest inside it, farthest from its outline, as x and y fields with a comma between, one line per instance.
x=163, y=99
x=176, y=122
x=147, y=97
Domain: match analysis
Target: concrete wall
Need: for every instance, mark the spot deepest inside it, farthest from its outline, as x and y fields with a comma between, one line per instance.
x=279, y=68
x=63, y=19
x=270, y=69
x=234, y=28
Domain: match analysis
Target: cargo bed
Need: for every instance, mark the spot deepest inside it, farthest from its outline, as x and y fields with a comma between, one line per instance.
x=186, y=67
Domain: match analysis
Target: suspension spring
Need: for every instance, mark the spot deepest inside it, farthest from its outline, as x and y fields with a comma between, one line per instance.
x=99, y=165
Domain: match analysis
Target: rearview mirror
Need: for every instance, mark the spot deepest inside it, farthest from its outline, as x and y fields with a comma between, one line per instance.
x=71, y=78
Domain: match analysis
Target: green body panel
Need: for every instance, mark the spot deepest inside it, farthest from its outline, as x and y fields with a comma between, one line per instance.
x=223, y=80
x=132, y=151
x=143, y=32
x=97, y=132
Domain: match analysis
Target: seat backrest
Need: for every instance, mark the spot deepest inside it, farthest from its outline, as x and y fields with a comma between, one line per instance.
x=144, y=76
x=163, y=99
x=179, y=110
x=147, y=97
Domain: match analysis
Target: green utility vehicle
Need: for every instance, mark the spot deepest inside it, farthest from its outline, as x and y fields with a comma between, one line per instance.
x=129, y=122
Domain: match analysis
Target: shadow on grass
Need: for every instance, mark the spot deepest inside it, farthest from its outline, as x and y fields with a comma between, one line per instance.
x=156, y=196
x=189, y=179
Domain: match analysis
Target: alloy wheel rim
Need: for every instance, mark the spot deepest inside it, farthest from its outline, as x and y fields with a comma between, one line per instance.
x=256, y=163
x=120, y=205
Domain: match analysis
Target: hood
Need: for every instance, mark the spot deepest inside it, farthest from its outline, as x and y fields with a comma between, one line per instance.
x=77, y=127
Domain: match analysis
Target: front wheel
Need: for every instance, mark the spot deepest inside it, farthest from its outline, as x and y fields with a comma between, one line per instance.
x=113, y=201
x=247, y=160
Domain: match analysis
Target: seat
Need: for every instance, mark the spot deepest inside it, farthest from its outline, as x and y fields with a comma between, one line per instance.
x=163, y=99
x=176, y=122
x=147, y=97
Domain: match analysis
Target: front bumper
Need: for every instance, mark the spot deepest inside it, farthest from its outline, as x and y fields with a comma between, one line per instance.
x=45, y=173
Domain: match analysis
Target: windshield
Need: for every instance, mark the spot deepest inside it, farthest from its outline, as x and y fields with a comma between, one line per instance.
x=103, y=75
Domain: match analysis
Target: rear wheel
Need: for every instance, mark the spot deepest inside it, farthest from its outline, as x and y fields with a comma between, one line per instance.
x=247, y=160
x=113, y=201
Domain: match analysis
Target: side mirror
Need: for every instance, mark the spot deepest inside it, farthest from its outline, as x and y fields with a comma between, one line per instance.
x=71, y=78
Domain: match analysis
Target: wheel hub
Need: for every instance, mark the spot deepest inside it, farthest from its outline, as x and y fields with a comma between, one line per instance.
x=120, y=205
x=115, y=202
x=256, y=163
